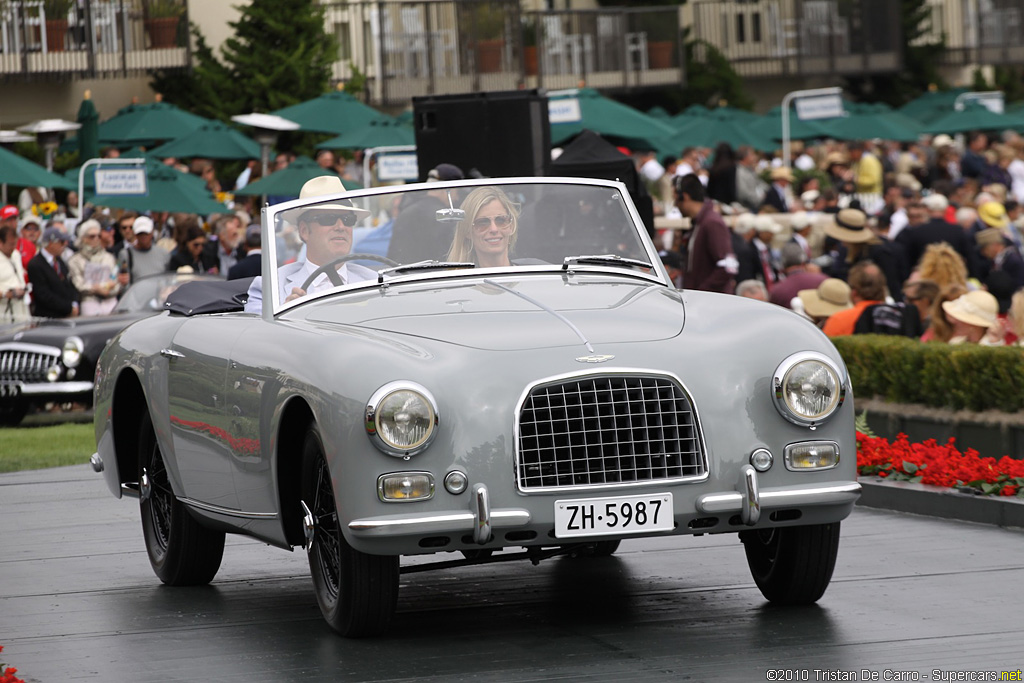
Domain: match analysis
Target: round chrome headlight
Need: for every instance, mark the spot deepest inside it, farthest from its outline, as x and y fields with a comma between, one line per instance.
x=808, y=388
x=71, y=355
x=401, y=418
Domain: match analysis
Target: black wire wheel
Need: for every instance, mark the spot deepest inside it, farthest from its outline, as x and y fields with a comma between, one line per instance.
x=792, y=565
x=181, y=551
x=357, y=592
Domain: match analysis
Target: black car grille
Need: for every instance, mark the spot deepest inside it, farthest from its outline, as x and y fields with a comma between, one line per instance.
x=23, y=363
x=607, y=430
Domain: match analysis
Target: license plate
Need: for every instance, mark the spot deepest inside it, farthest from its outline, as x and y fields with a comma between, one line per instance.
x=614, y=515
x=9, y=390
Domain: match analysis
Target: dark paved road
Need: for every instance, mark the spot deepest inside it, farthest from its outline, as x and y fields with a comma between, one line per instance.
x=78, y=601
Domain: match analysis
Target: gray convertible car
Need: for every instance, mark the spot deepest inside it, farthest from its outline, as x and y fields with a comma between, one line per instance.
x=518, y=378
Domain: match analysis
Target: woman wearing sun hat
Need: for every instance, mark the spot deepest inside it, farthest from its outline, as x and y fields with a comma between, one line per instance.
x=972, y=314
x=830, y=297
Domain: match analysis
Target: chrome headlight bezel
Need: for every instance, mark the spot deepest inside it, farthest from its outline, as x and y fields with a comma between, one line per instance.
x=779, y=394
x=373, y=416
x=71, y=353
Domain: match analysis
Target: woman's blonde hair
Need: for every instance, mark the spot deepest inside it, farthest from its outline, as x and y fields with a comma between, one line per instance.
x=941, y=326
x=462, y=245
x=943, y=264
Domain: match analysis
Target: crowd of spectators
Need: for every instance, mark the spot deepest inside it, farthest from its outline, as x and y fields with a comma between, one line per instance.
x=923, y=240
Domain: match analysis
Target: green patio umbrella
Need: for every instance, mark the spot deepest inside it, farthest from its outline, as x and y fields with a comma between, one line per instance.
x=20, y=172
x=288, y=181
x=213, y=140
x=770, y=125
x=866, y=122
x=382, y=132
x=88, y=135
x=616, y=122
x=932, y=104
x=711, y=129
x=169, y=190
x=144, y=124
x=973, y=116
x=334, y=112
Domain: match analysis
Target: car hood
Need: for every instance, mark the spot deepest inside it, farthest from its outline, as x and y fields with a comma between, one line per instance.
x=54, y=331
x=514, y=313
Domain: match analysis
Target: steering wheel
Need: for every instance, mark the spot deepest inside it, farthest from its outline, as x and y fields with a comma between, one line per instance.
x=331, y=268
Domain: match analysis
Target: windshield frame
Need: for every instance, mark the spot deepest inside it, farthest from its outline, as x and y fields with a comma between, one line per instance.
x=273, y=307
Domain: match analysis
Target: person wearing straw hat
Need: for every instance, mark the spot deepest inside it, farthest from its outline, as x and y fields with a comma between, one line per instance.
x=1000, y=255
x=972, y=314
x=824, y=301
x=778, y=195
x=867, y=288
x=326, y=231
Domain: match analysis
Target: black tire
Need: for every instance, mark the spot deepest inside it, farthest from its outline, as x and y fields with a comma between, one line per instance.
x=11, y=414
x=357, y=593
x=792, y=565
x=604, y=548
x=181, y=551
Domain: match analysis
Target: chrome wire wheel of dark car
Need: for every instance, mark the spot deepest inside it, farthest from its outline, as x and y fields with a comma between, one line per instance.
x=181, y=551
x=357, y=593
x=792, y=565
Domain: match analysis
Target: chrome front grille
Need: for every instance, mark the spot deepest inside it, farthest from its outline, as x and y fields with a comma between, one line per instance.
x=607, y=430
x=26, y=362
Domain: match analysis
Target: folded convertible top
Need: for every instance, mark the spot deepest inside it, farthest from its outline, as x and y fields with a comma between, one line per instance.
x=209, y=296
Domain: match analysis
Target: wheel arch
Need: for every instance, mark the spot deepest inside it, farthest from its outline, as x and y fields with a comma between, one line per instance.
x=295, y=420
x=128, y=404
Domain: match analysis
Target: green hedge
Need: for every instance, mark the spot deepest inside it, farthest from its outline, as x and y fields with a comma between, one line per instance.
x=961, y=377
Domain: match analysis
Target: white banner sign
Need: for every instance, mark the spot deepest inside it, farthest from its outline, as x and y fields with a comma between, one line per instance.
x=121, y=181
x=564, y=110
x=822, y=107
x=397, y=167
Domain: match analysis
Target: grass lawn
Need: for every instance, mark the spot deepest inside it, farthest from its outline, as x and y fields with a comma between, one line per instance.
x=34, y=448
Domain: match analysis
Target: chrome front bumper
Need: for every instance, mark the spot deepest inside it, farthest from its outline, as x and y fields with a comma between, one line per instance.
x=49, y=388
x=748, y=500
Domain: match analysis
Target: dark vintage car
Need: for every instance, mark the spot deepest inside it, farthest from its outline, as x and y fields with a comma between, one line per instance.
x=53, y=361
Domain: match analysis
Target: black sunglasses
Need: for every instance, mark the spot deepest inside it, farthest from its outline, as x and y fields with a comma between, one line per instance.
x=325, y=219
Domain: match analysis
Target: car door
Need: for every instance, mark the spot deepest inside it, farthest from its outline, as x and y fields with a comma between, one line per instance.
x=197, y=398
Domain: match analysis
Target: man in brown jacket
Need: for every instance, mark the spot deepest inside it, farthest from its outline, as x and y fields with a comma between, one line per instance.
x=711, y=264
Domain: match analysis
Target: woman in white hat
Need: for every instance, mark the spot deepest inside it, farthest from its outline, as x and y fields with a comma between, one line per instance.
x=972, y=314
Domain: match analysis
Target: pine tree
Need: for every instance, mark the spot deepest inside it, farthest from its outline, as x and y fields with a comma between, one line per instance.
x=279, y=55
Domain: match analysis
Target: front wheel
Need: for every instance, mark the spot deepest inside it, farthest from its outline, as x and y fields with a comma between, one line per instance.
x=792, y=565
x=181, y=551
x=357, y=592
x=11, y=414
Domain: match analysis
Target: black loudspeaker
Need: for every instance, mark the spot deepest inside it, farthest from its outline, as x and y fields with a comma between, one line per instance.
x=499, y=134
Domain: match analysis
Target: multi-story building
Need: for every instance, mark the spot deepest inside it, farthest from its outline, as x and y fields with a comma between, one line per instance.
x=52, y=50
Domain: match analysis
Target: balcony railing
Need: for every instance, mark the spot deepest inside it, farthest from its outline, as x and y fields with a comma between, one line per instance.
x=773, y=38
x=448, y=46
x=92, y=38
x=978, y=31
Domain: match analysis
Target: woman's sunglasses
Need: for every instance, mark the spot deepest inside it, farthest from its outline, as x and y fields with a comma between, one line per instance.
x=484, y=222
x=324, y=219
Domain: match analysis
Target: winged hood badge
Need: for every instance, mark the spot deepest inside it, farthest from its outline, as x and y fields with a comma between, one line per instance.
x=594, y=358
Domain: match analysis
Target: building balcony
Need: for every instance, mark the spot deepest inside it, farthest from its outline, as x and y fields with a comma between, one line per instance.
x=800, y=38
x=436, y=47
x=91, y=38
x=977, y=31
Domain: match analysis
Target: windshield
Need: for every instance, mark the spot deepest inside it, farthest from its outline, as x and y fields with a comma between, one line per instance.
x=449, y=229
x=150, y=293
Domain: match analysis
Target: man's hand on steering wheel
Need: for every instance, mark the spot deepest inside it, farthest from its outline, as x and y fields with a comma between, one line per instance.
x=331, y=268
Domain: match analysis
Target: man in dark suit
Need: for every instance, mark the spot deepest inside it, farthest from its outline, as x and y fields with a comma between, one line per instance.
x=777, y=195
x=53, y=293
x=916, y=238
x=999, y=254
x=250, y=265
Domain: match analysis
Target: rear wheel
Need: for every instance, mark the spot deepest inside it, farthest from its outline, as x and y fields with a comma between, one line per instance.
x=181, y=551
x=357, y=592
x=792, y=565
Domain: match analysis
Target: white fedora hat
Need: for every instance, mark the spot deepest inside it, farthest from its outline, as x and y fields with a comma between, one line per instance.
x=324, y=186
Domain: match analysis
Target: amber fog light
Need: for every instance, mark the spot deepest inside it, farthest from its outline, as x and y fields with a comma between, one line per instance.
x=812, y=455
x=456, y=482
x=401, y=487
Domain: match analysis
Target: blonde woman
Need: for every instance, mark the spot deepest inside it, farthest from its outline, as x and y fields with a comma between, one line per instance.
x=942, y=264
x=941, y=327
x=488, y=232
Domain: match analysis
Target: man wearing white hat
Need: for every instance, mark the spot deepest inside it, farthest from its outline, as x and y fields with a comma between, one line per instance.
x=326, y=230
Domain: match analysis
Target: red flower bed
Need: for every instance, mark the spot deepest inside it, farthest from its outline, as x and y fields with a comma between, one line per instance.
x=7, y=675
x=939, y=465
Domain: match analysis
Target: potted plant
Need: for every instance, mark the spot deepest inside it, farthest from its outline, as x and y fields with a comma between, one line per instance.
x=56, y=23
x=489, y=23
x=161, y=21
x=530, y=47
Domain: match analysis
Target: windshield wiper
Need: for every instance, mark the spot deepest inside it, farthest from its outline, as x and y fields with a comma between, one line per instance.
x=604, y=258
x=422, y=265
